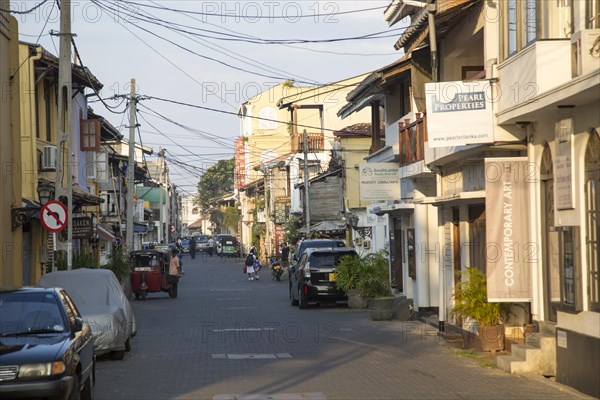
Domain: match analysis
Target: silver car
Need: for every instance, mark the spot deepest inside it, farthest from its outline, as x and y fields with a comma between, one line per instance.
x=103, y=305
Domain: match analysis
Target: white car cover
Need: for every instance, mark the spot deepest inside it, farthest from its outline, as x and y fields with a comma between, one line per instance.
x=102, y=303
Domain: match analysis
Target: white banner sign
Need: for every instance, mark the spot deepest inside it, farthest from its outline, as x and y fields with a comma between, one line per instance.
x=509, y=252
x=379, y=181
x=563, y=169
x=459, y=113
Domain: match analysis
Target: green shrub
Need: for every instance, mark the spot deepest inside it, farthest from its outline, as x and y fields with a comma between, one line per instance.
x=471, y=301
x=368, y=274
x=119, y=264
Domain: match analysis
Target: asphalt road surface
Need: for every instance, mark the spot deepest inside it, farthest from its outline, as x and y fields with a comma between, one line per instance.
x=225, y=337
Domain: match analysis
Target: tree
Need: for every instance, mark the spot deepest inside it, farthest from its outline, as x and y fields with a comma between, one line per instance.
x=215, y=182
x=231, y=218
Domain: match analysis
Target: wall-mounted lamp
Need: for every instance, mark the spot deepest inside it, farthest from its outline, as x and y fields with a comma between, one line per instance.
x=522, y=124
x=22, y=215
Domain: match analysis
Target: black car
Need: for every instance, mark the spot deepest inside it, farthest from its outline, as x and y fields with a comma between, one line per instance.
x=312, y=279
x=46, y=350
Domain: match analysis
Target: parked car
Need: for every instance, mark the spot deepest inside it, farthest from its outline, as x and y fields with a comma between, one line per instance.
x=201, y=242
x=305, y=244
x=46, y=350
x=185, y=246
x=103, y=305
x=312, y=279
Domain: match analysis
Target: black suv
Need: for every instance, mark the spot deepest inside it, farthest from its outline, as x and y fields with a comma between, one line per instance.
x=304, y=244
x=46, y=349
x=312, y=279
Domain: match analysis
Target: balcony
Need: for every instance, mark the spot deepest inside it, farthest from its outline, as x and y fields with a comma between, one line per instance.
x=412, y=138
x=315, y=142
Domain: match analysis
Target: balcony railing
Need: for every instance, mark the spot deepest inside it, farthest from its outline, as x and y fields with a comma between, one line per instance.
x=315, y=142
x=413, y=136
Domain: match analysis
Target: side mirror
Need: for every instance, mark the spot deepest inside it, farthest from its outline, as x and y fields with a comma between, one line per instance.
x=78, y=325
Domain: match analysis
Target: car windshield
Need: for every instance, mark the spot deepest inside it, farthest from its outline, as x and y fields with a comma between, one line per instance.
x=185, y=242
x=321, y=245
x=202, y=238
x=146, y=260
x=325, y=260
x=29, y=313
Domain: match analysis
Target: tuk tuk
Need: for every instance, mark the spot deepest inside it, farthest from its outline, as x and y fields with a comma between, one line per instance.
x=149, y=270
x=227, y=246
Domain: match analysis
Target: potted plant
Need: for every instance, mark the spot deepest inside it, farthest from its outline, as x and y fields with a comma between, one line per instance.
x=470, y=301
x=348, y=274
x=374, y=284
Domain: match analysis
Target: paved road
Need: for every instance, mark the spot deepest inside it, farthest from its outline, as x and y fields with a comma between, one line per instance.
x=226, y=337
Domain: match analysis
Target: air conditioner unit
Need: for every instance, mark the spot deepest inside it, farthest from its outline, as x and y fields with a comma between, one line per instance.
x=585, y=51
x=49, y=158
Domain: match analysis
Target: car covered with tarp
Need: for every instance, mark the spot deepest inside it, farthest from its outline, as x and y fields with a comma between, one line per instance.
x=103, y=305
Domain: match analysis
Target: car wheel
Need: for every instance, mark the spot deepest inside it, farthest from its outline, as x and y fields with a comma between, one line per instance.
x=302, y=300
x=75, y=392
x=128, y=345
x=117, y=355
x=294, y=301
x=88, y=389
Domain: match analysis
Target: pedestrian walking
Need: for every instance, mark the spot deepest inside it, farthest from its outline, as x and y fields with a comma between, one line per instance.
x=249, y=264
x=285, y=256
x=193, y=248
x=174, y=274
x=211, y=246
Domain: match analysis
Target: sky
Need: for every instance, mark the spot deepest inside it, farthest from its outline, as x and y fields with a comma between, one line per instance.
x=214, y=54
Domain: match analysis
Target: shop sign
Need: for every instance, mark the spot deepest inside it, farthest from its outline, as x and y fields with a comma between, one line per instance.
x=509, y=251
x=379, y=181
x=82, y=228
x=563, y=166
x=459, y=113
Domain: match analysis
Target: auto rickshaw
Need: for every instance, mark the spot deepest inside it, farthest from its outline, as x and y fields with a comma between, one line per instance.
x=149, y=270
x=227, y=246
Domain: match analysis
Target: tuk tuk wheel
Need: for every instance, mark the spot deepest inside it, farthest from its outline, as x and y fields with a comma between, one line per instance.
x=143, y=295
x=137, y=296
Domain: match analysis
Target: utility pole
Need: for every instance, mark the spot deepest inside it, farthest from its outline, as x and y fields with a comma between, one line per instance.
x=63, y=186
x=161, y=153
x=306, y=185
x=131, y=170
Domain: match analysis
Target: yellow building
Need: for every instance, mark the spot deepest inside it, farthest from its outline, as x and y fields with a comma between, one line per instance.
x=10, y=152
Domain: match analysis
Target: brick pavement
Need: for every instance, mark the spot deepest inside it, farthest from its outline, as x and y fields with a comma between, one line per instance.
x=224, y=336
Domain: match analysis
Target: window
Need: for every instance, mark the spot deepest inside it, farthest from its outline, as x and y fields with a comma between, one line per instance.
x=477, y=237
x=592, y=14
x=592, y=219
x=90, y=135
x=570, y=279
x=526, y=21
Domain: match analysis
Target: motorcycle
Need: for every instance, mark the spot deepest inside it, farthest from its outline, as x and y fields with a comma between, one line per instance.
x=276, y=270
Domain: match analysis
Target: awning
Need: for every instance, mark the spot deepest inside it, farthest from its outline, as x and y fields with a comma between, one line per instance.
x=105, y=234
x=401, y=208
x=151, y=194
x=476, y=196
x=326, y=226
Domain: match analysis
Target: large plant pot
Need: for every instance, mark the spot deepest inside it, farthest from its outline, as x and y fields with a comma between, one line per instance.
x=355, y=300
x=381, y=308
x=491, y=338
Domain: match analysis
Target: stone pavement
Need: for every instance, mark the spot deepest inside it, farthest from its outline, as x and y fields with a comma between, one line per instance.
x=229, y=338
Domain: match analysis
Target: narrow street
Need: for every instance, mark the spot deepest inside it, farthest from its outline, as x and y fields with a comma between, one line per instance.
x=226, y=336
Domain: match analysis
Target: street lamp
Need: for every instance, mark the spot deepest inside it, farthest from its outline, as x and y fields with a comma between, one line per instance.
x=353, y=219
x=45, y=192
x=22, y=215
